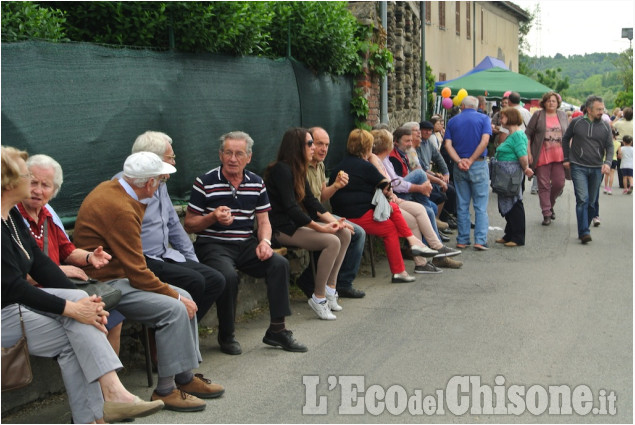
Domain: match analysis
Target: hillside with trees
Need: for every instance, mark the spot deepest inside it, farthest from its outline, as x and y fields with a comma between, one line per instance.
x=608, y=75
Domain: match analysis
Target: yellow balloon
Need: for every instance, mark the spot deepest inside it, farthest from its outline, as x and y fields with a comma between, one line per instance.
x=462, y=93
x=446, y=92
x=456, y=101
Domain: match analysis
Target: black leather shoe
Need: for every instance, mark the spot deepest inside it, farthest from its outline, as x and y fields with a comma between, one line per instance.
x=285, y=340
x=443, y=237
x=351, y=293
x=229, y=345
x=447, y=231
x=452, y=224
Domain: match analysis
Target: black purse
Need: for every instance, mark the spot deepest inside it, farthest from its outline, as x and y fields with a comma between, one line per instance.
x=109, y=295
x=16, y=364
x=503, y=183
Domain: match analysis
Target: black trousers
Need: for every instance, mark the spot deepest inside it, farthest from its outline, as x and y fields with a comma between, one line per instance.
x=227, y=257
x=203, y=283
x=515, y=228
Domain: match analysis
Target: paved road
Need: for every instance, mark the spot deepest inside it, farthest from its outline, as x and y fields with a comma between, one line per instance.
x=552, y=313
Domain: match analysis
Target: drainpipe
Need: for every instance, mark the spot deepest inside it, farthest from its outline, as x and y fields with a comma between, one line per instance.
x=473, y=34
x=424, y=89
x=383, y=95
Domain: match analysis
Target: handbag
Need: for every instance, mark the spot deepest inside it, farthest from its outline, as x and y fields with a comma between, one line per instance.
x=16, y=364
x=504, y=183
x=109, y=295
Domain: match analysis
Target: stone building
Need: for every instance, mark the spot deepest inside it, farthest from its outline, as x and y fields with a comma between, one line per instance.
x=457, y=34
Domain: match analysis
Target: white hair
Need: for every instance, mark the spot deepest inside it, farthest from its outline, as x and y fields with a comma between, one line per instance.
x=411, y=125
x=152, y=141
x=470, y=102
x=46, y=161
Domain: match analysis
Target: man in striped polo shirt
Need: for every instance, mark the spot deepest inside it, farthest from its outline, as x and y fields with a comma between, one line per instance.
x=225, y=205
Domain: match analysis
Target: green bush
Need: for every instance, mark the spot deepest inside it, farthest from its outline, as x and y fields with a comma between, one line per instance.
x=21, y=20
x=321, y=34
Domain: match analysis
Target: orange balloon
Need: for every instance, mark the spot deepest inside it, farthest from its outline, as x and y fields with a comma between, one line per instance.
x=446, y=92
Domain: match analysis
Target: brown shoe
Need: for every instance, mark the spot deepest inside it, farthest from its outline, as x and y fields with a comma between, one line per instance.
x=447, y=263
x=202, y=387
x=511, y=244
x=501, y=240
x=442, y=225
x=180, y=401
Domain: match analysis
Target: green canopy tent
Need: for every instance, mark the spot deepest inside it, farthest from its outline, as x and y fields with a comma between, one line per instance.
x=494, y=82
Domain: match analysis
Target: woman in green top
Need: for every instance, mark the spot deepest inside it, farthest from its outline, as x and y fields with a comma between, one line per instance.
x=512, y=155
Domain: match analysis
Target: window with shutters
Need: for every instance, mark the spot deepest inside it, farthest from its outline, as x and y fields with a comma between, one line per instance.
x=428, y=12
x=468, y=21
x=441, y=15
x=458, y=17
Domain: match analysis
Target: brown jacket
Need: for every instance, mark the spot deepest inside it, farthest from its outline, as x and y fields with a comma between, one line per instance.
x=536, y=130
x=111, y=218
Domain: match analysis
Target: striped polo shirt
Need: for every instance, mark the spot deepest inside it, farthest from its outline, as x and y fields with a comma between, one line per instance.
x=212, y=190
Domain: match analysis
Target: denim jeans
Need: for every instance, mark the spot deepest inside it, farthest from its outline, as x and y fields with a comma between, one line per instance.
x=419, y=176
x=586, y=183
x=352, y=259
x=473, y=185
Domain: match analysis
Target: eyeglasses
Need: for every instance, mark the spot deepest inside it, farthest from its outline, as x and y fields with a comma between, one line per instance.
x=239, y=155
x=27, y=176
x=170, y=157
x=309, y=143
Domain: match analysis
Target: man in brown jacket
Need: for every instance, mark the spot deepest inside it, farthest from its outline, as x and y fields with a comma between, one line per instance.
x=111, y=217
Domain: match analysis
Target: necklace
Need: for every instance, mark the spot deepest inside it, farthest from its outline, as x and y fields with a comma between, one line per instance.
x=16, y=236
x=41, y=235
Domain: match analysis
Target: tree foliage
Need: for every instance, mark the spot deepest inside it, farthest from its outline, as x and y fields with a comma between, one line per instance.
x=22, y=20
x=624, y=65
x=592, y=73
x=551, y=78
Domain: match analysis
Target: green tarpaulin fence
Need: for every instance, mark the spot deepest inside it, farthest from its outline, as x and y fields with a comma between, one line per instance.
x=84, y=105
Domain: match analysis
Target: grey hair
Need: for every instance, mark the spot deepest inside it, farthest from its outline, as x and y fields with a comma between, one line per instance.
x=238, y=135
x=470, y=102
x=46, y=161
x=139, y=182
x=411, y=125
x=592, y=99
x=152, y=141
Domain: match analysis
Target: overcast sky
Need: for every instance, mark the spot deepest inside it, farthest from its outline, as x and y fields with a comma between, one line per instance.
x=578, y=27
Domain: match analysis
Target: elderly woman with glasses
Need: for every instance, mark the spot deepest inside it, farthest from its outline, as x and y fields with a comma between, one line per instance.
x=47, y=229
x=298, y=219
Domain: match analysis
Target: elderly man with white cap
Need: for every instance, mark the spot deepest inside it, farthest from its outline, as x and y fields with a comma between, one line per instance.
x=111, y=216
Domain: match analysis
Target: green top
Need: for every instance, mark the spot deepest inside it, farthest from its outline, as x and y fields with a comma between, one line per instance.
x=514, y=146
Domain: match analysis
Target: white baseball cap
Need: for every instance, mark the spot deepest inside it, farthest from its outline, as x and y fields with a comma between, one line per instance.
x=146, y=164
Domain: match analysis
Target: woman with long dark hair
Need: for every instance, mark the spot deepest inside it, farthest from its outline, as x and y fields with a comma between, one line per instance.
x=298, y=219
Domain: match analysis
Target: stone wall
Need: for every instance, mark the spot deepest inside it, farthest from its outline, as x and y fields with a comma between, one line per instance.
x=404, y=41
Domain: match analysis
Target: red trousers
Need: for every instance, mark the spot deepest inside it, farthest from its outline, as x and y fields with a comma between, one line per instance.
x=390, y=231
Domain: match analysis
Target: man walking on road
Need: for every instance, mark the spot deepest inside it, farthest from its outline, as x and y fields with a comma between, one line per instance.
x=588, y=157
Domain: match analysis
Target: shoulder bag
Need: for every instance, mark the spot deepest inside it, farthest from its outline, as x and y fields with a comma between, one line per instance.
x=16, y=364
x=109, y=295
x=504, y=183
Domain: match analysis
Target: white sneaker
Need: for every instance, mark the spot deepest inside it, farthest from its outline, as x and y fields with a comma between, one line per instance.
x=596, y=221
x=332, y=302
x=322, y=309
